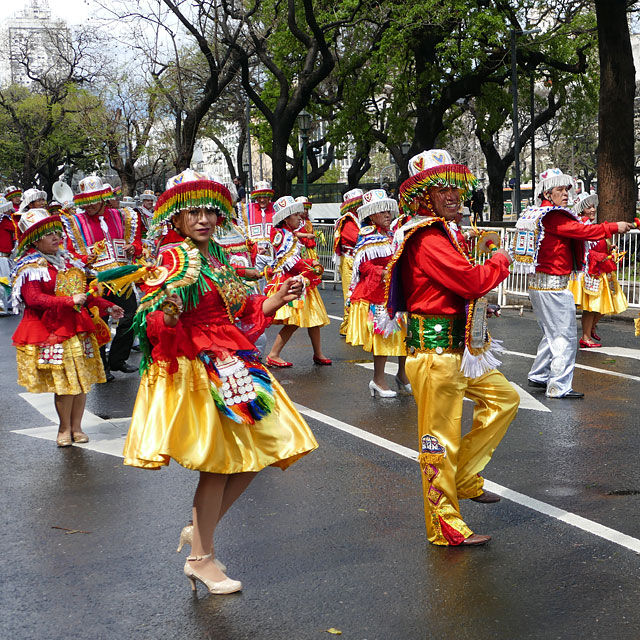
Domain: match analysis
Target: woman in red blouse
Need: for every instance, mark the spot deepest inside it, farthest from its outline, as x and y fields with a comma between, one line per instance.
x=57, y=350
x=369, y=324
x=205, y=400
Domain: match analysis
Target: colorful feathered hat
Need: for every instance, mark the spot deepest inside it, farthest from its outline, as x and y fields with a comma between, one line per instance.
x=585, y=201
x=192, y=190
x=262, y=189
x=434, y=168
x=33, y=225
x=376, y=201
x=553, y=178
x=351, y=200
x=285, y=206
x=92, y=191
x=29, y=196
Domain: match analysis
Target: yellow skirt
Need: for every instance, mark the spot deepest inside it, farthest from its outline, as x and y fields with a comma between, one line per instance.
x=360, y=335
x=68, y=368
x=609, y=300
x=311, y=314
x=175, y=417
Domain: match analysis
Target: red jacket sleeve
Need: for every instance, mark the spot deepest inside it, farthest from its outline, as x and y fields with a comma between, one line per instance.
x=35, y=297
x=563, y=225
x=443, y=263
x=349, y=235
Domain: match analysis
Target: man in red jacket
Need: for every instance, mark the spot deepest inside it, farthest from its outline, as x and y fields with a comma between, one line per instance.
x=549, y=244
x=433, y=278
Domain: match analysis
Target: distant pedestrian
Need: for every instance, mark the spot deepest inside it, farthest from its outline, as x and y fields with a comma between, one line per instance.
x=477, y=205
x=242, y=192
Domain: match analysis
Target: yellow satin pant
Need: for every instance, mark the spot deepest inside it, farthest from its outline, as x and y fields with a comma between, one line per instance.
x=451, y=463
x=346, y=270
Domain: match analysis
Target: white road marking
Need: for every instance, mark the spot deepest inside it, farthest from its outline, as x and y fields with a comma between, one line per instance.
x=334, y=318
x=107, y=436
x=527, y=401
x=581, y=366
x=574, y=520
x=618, y=352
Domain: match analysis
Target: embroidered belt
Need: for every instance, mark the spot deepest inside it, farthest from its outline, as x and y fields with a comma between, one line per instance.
x=4, y=254
x=347, y=251
x=539, y=281
x=436, y=334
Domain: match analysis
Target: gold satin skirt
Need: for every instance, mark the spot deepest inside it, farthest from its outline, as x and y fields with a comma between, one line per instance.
x=67, y=369
x=175, y=417
x=360, y=335
x=311, y=314
x=609, y=300
x=346, y=271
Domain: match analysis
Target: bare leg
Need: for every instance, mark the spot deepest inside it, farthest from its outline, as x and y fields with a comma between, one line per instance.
x=77, y=411
x=596, y=319
x=281, y=339
x=63, y=406
x=402, y=376
x=216, y=492
x=378, y=371
x=314, y=335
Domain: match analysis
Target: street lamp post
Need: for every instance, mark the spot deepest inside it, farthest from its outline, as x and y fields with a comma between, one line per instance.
x=304, y=124
x=516, y=132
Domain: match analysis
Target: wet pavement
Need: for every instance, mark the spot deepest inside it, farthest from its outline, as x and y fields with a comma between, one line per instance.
x=336, y=542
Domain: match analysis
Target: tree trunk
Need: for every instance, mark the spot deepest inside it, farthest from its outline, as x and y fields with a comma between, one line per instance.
x=616, y=184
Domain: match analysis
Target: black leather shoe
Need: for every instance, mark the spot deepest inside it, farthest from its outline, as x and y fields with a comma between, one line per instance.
x=533, y=383
x=109, y=376
x=125, y=367
x=487, y=497
x=572, y=394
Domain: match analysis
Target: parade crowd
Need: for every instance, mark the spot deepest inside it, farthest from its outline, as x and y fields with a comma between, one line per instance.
x=193, y=277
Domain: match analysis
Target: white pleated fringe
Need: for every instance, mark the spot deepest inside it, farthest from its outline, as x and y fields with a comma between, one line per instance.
x=476, y=366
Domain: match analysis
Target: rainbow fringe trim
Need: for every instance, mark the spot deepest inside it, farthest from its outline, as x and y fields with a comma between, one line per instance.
x=13, y=194
x=192, y=195
x=248, y=411
x=92, y=197
x=446, y=175
x=350, y=206
x=37, y=231
x=260, y=193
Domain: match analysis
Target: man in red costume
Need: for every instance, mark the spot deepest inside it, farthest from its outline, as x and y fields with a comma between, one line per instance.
x=106, y=238
x=14, y=196
x=549, y=244
x=435, y=280
x=7, y=242
x=345, y=238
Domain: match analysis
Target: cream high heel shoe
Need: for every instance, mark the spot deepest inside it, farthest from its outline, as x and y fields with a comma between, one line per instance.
x=404, y=387
x=217, y=588
x=383, y=393
x=186, y=537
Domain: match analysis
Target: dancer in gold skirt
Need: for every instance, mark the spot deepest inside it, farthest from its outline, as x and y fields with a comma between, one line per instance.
x=596, y=288
x=309, y=312
x=57, y=349
x=205, y=399
x=369, y=324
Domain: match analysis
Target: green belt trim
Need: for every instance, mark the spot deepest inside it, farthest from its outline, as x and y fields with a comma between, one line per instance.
x=438, y=334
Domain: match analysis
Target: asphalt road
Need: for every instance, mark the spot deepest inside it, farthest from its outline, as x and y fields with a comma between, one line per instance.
x=336, y=542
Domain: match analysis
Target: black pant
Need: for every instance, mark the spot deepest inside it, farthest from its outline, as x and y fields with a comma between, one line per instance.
x=123, y=340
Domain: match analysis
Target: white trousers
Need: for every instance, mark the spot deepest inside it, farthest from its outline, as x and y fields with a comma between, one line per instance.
x=556, y=357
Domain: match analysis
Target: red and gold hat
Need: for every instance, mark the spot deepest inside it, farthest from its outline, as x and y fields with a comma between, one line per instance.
x=351, y=200
x=92, y=191
x=33, y=225
x=189, y=190
x=13, y=192
x=434, y=168
x=305, y=201
x=262, y=189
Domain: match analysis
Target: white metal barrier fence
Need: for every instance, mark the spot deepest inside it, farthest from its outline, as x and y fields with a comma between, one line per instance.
x=516, y=284
x=628, y=270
